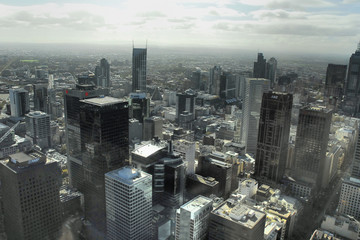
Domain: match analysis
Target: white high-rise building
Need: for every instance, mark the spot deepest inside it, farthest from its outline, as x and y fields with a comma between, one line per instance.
x=19, y=102
x=187, y=149
x=255, y=87
x=128, y=194
x=192, y=219
x=38, y=128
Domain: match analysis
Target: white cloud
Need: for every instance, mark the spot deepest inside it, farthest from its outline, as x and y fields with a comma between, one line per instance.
x=288, y=4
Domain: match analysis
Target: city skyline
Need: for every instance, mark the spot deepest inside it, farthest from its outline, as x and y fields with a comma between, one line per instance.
x=308, y=26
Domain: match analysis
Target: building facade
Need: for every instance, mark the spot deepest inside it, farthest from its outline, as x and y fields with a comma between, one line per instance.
x=128, y=194
x=38, y=128
x=139, y=69
x=192, y=219
x=312, y=138
x=19, y=102
x=72, y=99
x=104, y=131
x=273, y=136
x=30, y=186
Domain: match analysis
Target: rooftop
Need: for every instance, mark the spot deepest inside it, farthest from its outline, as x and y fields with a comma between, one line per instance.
x=127, y=175
x=240, y=214
x=149, y=149
x=103, y=101
x=196, y=204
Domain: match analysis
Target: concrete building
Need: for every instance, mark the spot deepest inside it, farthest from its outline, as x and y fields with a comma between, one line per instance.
x=153, y=127
x=187, y=150
x=255, y=87
x=349, y=202
x=192, y=219
x=135, y=131
x=233, y=221
x=30, y=186
x=19, y=102
x=185, y=102
x=312, y=138
x=273, y=136
x=128, y=194
x=38, y=128
x=248, y=187
x=214, y=80
x=342, y=226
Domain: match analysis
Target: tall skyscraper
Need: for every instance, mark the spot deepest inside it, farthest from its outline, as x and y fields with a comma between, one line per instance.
x=335, y=80
x=271, y=71
x=273, y=136
x=38, y=128
x=139, y=69
x=255, y=87
x=30, y=186
x=185, y=102
x=192, y=219
x=312, y=138
x=72, y=99
x=260, y=67
x=214, y=80
x=41, y=97
x=19, y=102
x=128, y=204
x=102, y=74
x=104, y=131
x=352, y=91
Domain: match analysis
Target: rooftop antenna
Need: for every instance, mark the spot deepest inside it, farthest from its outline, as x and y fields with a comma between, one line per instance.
x=146, y=44
x=358, y=47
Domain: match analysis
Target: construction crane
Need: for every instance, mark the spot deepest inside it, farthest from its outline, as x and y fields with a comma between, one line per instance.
x=8, y=132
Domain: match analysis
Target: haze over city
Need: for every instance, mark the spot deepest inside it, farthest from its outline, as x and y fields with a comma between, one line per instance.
x=309, y=26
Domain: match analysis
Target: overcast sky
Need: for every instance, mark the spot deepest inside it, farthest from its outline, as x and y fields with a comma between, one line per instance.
x=313, y=26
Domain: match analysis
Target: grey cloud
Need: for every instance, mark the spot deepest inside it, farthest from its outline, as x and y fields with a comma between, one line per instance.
x=75, y=20
x=185, y=26
x=286, y=29
x=298, y=5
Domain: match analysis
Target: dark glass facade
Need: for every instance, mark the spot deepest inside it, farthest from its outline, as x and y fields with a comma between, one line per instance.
x=335, y=80
x=72, y=99
x=40, y=97
x=273, y=136
x=104, y=132
x=139, y=69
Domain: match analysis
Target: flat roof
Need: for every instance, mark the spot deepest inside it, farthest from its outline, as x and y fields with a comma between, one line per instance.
x=196, y=204
x=20, y=157
x=149, y=149
x=103, y=101
x=239, y=214
x=127, y=175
